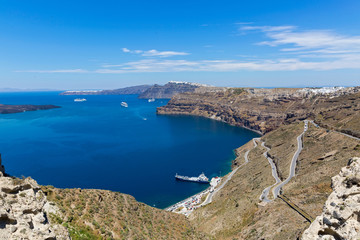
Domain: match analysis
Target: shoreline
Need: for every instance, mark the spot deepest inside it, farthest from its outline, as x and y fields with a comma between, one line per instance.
x=212, y=118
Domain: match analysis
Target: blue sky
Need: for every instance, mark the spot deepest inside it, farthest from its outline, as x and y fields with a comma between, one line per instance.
x=110, y=44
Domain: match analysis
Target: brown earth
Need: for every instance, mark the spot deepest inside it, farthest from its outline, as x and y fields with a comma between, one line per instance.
x=236, y=212
x=101, y=214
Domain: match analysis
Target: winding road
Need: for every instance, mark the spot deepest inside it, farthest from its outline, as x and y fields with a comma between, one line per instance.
x=265, y=193
x=277, y=189
x=211, y=194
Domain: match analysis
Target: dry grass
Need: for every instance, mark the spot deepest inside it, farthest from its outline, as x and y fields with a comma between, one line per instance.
x=100, y=214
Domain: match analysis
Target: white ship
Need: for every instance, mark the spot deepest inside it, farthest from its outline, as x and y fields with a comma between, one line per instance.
x=80, y=100
x=200, y=179
x=124, y=104
x=151, y=100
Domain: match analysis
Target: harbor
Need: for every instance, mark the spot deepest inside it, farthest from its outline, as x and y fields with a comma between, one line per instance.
x=200, y=199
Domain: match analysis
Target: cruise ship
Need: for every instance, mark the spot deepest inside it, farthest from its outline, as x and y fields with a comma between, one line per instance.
x=80, y=100
x=200, y=179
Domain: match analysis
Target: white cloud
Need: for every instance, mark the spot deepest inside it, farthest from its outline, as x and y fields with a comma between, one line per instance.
x=155, y=53
x=125, y=50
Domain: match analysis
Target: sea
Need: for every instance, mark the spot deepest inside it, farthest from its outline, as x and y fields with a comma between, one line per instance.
x=99, y=144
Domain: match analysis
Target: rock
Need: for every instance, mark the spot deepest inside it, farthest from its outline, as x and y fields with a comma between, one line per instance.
x=341, y=213
x=24, y=211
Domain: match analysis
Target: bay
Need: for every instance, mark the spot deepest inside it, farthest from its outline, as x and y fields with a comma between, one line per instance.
x=99, y=144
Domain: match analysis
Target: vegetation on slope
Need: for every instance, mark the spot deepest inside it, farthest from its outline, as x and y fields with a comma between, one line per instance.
x=101, y=214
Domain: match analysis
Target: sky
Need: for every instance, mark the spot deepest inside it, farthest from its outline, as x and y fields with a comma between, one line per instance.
x=70, y=45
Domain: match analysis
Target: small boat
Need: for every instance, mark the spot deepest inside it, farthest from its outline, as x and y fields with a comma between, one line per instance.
x=200, y=179
x=124, y=104
x=80, y=100
x=151, y=100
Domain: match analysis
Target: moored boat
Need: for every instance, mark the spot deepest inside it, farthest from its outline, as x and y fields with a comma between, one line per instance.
x=200, y=179
x=80, y=100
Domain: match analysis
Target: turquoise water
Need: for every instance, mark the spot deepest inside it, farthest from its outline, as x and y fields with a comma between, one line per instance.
x=99, y=144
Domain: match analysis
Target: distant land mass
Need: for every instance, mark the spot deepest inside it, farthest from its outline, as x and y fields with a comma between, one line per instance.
x=127, y=90
x=156, y=91
x=5, y=109
x=169, y=90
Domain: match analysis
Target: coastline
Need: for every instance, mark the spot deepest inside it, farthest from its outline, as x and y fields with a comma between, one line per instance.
x=212, y=118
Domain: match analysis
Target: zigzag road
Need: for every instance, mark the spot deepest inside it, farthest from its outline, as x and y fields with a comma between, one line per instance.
x=277, y=189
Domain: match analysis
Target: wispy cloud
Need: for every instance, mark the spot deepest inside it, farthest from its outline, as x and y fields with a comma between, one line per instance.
x=155, y=53
x=320, y=41
x=56, y=71
x=295, y=50
x=285, y=64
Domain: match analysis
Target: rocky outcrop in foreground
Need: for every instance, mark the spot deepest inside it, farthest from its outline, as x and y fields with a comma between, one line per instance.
x=341, y=213
x=24, y=211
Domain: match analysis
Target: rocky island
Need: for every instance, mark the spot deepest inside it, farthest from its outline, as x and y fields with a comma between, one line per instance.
x=6, y=109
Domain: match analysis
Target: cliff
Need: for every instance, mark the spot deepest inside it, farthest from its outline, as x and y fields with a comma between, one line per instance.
x=264, y=110
x=341, y=212
x=168, y=90
x=5, y=109
x=127, y=90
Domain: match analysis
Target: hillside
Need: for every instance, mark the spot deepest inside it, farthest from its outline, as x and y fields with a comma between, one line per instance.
x=237, y=212
x=101, y=214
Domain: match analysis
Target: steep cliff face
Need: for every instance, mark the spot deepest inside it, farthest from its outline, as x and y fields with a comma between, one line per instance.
x=168, y=90
x=341, y=214
x=264, y=110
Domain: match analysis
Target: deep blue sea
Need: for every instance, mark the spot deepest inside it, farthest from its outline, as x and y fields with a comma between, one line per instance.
x=99, y=144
